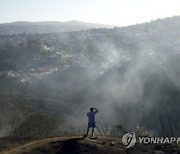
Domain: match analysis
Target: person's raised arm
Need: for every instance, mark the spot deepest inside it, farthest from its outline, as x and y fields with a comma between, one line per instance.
x=96, y=110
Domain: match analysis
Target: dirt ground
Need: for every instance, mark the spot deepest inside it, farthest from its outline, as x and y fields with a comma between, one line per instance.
x=80, y=145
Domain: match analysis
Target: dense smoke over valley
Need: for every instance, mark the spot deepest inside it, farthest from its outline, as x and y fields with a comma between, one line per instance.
x=131, y=74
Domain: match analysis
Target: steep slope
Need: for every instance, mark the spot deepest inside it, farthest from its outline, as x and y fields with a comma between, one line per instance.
x=131, y=74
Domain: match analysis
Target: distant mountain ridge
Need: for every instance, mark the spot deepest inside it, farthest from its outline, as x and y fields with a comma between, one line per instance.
x=47, y=27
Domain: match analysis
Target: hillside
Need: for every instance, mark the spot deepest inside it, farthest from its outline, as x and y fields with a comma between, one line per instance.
x=47, y=27
x=130, y=74
x=78, y=145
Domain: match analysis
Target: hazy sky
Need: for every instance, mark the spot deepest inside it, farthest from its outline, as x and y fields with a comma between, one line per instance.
x=114, y=12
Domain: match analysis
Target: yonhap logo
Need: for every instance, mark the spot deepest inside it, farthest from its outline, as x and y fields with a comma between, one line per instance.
x=129, y=140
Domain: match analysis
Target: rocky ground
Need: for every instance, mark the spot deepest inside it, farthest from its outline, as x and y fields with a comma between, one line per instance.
x=80, y=145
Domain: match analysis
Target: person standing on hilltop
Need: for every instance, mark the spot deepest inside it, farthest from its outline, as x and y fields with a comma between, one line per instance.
x=91, y=120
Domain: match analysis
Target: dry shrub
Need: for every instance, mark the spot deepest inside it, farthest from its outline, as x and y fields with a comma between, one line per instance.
x=37, y=125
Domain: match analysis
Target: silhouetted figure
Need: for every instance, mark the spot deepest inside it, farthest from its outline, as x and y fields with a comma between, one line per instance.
x=91, y=120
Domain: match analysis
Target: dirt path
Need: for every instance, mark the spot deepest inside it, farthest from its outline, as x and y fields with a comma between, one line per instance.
x=66, y=145
x=34, y=144
x=79, y=145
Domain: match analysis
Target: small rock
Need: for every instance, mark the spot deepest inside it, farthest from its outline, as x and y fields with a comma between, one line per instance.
x=112, y=143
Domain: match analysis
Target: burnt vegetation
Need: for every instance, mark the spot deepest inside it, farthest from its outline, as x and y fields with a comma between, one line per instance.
x=131, y=74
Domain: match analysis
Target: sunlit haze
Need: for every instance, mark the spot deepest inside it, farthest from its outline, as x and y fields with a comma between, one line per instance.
x=113, y=12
